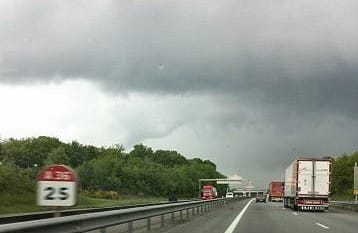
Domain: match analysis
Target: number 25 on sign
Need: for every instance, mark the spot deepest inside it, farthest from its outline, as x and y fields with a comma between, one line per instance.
x=56, y=186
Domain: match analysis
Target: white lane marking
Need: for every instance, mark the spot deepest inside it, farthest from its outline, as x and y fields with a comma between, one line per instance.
x=321, y=225
x=294, y=213
x=283, y=208
x=236, y=221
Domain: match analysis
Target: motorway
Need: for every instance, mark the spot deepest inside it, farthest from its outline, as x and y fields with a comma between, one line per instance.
x=266, y=217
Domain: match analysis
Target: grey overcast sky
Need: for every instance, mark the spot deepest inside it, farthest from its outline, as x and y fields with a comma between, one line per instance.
x=248, y=84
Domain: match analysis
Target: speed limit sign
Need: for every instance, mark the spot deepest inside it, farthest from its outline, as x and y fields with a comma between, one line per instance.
x=56, y=186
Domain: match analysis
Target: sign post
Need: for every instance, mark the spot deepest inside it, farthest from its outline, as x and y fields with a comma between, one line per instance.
x=57, y=186
x=355, y=188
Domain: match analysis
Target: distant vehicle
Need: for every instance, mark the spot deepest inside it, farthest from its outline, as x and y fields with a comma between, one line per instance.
x=229, y=195
x=307, y=184
x=208, y=192
x=261, y=198
x=276, y=191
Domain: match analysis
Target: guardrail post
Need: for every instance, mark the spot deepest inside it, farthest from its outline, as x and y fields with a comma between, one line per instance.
x=201, y=209
x=130, y=227
x=149, y=224
x=162, y=220
x=193, y=211
x=181, y=215
x=187, y=213
x=173, y=217
x=197, y=210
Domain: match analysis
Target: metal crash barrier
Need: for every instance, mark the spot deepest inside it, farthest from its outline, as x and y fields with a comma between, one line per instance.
x=104, y=220
x=346, y=205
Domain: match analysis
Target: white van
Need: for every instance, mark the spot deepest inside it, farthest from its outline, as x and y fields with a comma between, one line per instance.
x=229, y=195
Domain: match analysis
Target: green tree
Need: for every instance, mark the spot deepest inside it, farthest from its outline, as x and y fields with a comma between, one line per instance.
x=79, y=153
x=169, y=158
x=15, y=180
x=141, y=151
x=28, y=152
x=103, y=173
x=58, y=156
x=342, y=173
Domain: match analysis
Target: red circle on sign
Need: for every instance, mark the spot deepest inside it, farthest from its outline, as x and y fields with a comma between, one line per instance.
x=57, y=173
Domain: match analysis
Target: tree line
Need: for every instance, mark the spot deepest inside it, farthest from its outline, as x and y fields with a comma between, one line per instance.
x=342, y=174
x=141, y=171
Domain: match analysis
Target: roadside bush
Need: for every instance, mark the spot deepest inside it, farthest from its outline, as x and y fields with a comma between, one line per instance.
x=15, y=180
x=101, y=194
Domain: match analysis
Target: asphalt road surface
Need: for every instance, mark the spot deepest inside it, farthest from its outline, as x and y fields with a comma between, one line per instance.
x=250, y=217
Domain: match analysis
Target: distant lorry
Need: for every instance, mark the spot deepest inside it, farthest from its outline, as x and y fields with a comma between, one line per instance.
x=208, y=192
x=307, y=184
x=276, y=191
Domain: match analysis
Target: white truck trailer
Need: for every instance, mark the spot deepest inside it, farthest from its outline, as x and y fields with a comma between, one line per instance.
x=307, y=184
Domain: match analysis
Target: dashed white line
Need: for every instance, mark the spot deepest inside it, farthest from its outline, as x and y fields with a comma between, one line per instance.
x=321, y=225
x=294, y=213
x=236, y=221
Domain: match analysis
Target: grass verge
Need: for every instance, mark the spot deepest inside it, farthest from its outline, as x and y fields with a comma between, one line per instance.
x=343, y=197
x=26, y=202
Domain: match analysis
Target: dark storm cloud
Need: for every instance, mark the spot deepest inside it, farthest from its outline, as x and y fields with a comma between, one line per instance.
x=278, y=64
x=270, y=51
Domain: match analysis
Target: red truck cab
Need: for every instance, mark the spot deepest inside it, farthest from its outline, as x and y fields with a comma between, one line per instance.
x=208, y=192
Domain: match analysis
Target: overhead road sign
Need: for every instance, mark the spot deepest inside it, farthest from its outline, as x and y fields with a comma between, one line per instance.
x=224, y=181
